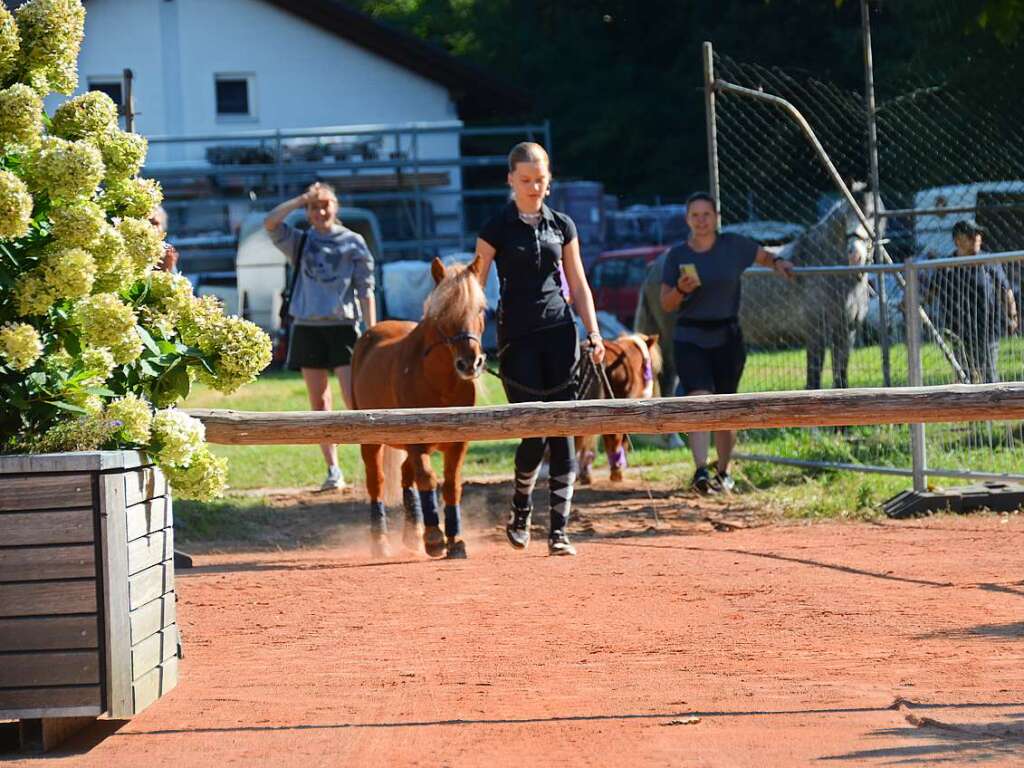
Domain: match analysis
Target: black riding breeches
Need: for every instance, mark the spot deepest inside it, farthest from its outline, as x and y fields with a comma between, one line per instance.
x=533, y=365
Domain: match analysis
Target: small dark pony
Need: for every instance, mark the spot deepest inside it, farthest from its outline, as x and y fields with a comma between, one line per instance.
x=430, y=364
x=632, y=364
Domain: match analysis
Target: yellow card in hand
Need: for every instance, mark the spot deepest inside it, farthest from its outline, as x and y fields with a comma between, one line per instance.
x=689, y=270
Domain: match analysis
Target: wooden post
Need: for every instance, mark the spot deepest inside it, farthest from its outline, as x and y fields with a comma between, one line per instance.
x=823, y=408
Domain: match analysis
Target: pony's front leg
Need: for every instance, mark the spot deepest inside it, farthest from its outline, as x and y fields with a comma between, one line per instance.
x=454, y=455
x=373, y=462
x=426, y=484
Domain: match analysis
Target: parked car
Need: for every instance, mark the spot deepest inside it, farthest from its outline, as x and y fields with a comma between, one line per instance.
x=616, y=277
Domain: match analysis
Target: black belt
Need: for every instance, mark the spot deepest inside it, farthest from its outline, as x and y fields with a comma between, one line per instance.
x=708, y=325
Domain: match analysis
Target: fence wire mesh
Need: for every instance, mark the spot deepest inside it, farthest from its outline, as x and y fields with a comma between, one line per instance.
x=945, y=150
x=975, y=310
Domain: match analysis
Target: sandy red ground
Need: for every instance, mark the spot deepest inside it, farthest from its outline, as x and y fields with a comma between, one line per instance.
x=667, y=644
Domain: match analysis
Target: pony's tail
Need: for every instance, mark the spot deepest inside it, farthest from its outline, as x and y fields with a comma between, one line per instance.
x=393, y=459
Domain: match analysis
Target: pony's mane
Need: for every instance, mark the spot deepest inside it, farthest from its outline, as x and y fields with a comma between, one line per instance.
x=455, y=299
x=656, y=361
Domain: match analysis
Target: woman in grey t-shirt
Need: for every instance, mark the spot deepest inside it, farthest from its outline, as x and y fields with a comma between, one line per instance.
x=701, y=280
x=332, y=292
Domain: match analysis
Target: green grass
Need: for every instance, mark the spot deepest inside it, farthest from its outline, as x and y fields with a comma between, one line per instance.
x=786, y=369
x=793, y=492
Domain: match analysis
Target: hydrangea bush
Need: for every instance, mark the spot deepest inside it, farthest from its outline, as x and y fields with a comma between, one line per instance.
x=96, y=348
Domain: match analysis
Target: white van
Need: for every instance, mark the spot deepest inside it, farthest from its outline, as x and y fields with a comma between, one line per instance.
x=933, y=233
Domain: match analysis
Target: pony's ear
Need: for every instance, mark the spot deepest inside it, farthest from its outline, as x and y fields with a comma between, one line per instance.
x=477, y=269
x=437, y=270
x=652, y=340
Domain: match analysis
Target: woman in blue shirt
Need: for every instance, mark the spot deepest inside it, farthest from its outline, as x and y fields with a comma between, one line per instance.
x=333, y=292
x=702, y=280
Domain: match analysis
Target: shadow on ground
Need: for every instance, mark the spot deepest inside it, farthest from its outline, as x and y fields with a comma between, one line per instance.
x=944, y=742
x=298, y=519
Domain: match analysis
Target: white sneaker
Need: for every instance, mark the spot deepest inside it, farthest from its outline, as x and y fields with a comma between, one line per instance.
x=334, y=480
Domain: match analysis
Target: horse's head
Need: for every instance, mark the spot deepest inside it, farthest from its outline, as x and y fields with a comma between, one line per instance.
x=859, y=243
x=455, y=309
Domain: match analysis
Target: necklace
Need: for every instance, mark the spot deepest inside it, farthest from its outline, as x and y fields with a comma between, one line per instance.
x=533, y=219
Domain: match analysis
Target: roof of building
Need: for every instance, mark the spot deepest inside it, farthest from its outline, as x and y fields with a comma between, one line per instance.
x=476, y=92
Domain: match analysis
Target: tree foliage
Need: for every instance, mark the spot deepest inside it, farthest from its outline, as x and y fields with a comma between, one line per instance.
x=622, y=81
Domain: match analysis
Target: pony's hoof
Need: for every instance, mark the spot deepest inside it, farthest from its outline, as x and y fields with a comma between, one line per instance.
x=412, y=533
x=433, y=541
x=585, y=478
x=456, y=549
x=380, y=548
x=615, y=475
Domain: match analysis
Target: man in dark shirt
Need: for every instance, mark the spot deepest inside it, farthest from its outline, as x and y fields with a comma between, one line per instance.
x=977, y=303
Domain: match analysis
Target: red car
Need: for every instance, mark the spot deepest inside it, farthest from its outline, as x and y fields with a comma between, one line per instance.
x=616, y=277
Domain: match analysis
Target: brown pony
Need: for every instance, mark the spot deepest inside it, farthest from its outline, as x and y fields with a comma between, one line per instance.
x=632, y=363
x=433, y=363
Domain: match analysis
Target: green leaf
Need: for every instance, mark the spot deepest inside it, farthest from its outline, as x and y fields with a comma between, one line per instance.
x=66, y=406
x=167, y=347
x=173, y=382
x=148, y=341
x=147, y=368
x=72, y=344
x=100, y=391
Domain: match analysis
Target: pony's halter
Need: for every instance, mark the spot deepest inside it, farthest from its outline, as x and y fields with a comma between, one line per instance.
x=451, y=341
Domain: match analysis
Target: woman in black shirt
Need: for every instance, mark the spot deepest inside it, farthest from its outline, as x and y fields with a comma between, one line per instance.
x=537, y=255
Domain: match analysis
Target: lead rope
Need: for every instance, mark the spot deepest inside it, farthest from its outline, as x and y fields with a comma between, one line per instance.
x=609, y=394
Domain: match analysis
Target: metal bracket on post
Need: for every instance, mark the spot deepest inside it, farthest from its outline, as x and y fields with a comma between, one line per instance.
x=711, y=118
x=915, y=373
x=128, y=97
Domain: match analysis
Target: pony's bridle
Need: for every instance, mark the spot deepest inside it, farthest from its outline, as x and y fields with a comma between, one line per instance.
x=451, y=341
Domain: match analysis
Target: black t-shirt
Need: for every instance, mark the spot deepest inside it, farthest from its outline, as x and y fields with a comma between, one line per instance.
x=529, y=264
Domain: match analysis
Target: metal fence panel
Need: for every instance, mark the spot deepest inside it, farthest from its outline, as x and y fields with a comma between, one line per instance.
x=940, y=161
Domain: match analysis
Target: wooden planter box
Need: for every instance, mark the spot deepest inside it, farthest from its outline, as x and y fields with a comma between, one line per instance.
x=87, y=615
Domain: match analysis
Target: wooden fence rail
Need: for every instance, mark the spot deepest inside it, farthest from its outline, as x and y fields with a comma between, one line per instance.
x=822, y=408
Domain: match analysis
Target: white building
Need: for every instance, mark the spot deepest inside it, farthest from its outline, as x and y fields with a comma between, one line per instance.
x=216, y=67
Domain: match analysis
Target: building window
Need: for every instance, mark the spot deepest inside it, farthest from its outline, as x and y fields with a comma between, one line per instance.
x=235, y=96
x=110, y=87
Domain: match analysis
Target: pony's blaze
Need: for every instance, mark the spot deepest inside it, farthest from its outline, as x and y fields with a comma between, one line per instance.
x=456, y=308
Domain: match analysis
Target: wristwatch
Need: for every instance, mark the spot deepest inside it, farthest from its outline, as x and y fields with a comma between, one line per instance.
x=594, y=336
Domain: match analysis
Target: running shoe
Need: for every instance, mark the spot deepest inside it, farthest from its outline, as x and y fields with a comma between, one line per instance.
x=559, y=544
x=702, y=481
x=334, y=480
x=518, y=527
x=724, y=481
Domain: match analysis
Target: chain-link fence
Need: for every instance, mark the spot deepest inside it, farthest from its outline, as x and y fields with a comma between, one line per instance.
x=945, y=153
